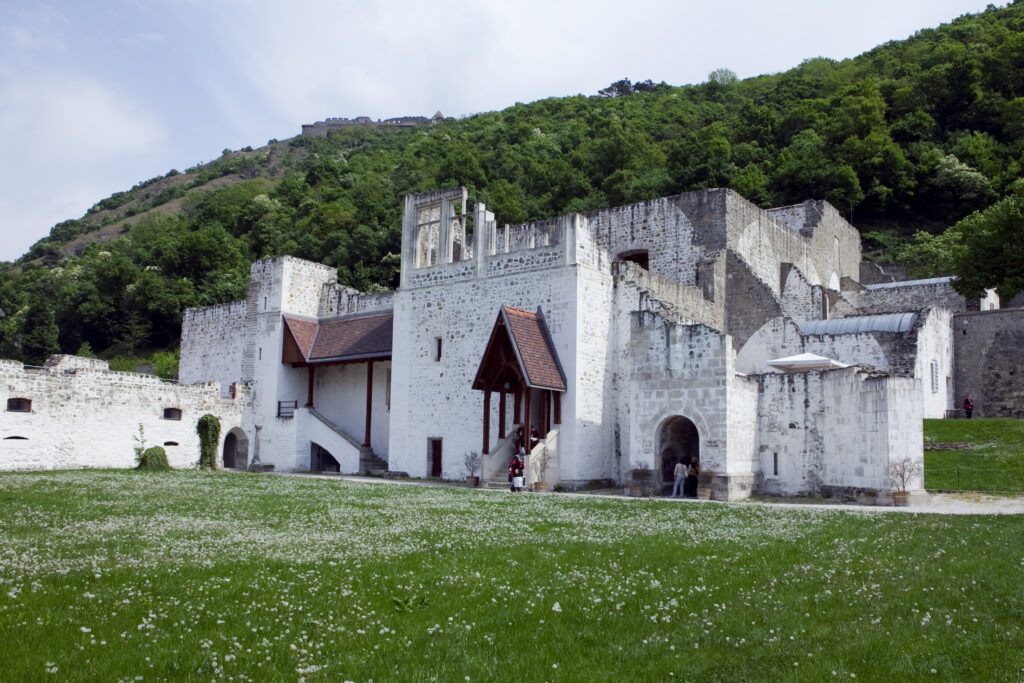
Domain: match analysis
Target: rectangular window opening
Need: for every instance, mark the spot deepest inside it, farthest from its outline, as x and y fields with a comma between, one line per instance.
x=775, y=464
x=437, y=349
x=935, y=376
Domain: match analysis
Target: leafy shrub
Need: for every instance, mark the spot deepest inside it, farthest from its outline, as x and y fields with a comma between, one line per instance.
x=153, y=460
x=208, y=428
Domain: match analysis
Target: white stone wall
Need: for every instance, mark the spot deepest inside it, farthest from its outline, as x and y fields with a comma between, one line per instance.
x=82, y=417
x=278, y=286
x=434, y=399
x=836, y=430
x=212, y=342
x=935, y=345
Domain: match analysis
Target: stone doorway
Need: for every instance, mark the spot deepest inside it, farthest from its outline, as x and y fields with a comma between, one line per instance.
x=236, y=450
x=678, y=441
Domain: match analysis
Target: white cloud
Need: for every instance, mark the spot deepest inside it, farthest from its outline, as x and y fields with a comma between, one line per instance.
x=76, y=140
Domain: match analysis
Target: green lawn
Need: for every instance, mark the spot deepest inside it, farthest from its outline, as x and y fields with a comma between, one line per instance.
x=996, y=463
x=118, y=575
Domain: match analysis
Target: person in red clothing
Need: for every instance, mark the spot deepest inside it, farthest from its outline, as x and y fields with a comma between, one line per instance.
x=515, y=474
x=968, y=406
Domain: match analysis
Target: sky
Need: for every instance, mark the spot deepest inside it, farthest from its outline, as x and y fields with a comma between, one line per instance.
x=98, y=96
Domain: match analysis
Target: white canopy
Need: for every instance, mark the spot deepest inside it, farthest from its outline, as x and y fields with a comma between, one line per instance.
x=805, y=361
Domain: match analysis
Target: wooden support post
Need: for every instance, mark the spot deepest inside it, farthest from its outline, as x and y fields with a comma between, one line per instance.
x=558, y=408
x=369, y=401
x=487, y=421
x=526, y=423
x=309, y=391
x=501, y=415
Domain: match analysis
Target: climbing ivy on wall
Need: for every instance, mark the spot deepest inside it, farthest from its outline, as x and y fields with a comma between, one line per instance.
x=208, y=428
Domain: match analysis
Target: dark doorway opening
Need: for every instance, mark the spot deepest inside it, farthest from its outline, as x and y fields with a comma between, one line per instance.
x=637, y=256
x=434, y=455
x=678, y=442
x=236, y=450
x=321, y=460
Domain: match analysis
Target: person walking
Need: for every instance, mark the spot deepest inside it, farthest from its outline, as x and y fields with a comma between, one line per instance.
x=680, y=475
x=515, y=474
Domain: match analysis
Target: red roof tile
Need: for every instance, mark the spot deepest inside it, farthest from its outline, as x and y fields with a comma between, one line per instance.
x=534, y=348
x=353, y=338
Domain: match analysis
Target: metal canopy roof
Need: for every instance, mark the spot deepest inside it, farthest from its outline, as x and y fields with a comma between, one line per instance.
x=889, y=322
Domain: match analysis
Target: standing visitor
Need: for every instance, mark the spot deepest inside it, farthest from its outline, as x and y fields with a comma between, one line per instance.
x=968, y=406
x=680, y=475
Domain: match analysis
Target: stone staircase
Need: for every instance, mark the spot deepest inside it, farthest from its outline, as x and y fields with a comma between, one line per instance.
x=369, y=462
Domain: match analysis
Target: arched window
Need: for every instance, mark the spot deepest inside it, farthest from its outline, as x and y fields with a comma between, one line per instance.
x=19, y=405
x=172, y=413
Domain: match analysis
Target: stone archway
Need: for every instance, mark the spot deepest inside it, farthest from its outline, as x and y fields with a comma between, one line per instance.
x=678, y=441
x=236, y=450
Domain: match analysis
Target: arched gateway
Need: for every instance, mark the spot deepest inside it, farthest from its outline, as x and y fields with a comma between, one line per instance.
x=678, y=441
x=236, y=450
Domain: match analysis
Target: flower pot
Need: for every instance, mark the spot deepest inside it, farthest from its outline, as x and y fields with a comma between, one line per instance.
x=472, y=481
x=540, y=486
x=703, y=493
x=636, y=490
x=901, y=498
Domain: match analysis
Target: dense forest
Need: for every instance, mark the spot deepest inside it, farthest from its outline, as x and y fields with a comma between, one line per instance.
x=920, y=142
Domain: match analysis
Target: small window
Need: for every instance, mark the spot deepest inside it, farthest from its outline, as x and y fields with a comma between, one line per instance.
x=19, y=405
x=775, y=464
x=387, y=391
x=935, y=376
x=437, y=349
x=15, y=438
x=170, y=443
x=172, y=413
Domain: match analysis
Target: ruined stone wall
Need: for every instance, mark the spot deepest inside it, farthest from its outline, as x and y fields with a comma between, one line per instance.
x=89, y=417
x=800, y=299
x=831, y=250
x=679, y=234
x=896, y=297
x=989, y=350
x=337, y=300
x=835, y=431
x=749, y=301
x=212, y=343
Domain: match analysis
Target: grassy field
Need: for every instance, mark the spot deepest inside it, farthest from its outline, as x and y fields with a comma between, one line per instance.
x=125, y=576
x=996, y=463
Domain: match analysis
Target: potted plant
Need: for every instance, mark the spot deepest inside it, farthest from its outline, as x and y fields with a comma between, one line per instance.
x=640, y=477
x=705, y=478
x=901, y=472
x=471, y=461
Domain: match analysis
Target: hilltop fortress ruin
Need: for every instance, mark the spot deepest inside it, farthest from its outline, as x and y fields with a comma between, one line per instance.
x=320, y=129
x=697, y=327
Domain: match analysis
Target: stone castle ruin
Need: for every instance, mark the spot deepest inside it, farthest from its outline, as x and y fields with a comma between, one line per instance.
x=320, y=129
x=697, y=328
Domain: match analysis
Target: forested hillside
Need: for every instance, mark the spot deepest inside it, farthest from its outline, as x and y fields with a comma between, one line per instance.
x=916, y=135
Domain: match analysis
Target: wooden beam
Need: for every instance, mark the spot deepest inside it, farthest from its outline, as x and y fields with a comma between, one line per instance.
x=526, y=423
x=487, y=421
x=501, y=415
x=309, y=392
x=369, y=401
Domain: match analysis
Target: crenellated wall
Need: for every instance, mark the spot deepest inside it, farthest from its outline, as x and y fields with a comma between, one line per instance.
x=84, y=415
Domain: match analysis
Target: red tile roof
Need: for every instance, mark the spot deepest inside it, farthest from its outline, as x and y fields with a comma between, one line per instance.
x=534, y=349
x=342, y=339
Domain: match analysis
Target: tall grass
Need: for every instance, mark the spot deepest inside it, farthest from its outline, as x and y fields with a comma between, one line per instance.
x=996, y=463
x=194, y=576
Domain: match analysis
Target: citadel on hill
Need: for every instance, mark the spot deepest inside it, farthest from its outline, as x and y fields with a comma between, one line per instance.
x=694, y=328
x=320, y=129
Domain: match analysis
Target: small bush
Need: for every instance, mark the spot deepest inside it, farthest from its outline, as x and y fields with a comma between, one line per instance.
x=153, y=460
